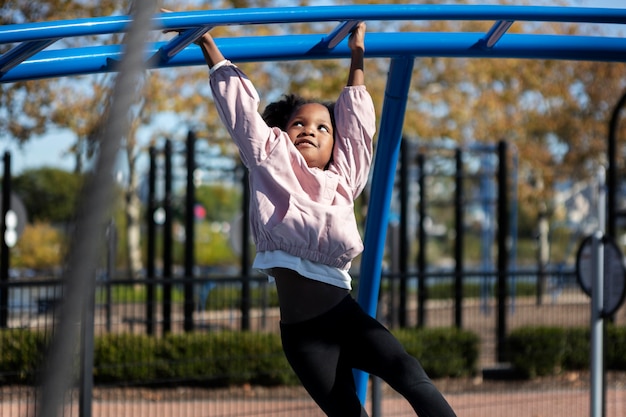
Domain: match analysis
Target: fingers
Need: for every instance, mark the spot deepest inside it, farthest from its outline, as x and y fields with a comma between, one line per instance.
x=163, y=10
x=357, y=37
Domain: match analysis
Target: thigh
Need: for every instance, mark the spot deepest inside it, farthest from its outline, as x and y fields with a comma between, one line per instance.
x=374, y=349
x=369, y=346
x=316, y=358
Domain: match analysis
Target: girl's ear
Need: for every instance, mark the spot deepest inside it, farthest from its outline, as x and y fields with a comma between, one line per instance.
x=330, y=161
x=331, y=110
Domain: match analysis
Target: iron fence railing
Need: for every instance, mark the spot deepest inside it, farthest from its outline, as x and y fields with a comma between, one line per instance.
x=121, y=306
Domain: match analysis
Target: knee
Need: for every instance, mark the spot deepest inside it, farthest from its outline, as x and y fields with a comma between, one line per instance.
x=406, y=370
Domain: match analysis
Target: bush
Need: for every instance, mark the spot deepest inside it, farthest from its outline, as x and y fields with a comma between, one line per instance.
x=213, y=359
x=217, y=359
x=125, y=358
x=443, y=352
x=577, y=348
x=22, y=353
x=537, y=351
x=616, y=348
x=41, y=246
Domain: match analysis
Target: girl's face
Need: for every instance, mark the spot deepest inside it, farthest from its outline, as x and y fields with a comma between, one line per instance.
x=311, y=131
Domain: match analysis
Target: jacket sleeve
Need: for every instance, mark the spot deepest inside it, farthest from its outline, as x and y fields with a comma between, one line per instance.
x=237, y=103
x=355, y=121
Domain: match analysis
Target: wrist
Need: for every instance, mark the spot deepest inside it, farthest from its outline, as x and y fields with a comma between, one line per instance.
x=358, y=53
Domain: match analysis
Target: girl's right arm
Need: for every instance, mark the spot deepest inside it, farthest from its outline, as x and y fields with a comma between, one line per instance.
x=237, y=102
x=212, y=54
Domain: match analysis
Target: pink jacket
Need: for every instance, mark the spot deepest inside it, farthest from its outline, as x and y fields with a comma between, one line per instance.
x=306, y=212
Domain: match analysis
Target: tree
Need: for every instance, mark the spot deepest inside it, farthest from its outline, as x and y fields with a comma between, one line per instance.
x=26, y=107
x=221, y=202
x=49, y=194
x=555, y=113
x=40, y=247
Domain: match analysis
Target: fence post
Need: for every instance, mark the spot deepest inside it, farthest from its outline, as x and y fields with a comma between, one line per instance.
x=245, y=254
x=404, y=254
x=167, y=241
x=151, y=242
x=87, y=357
x=422, y=296
x=190, y=201
x=458, y=243
x=4, y=248
x=503, y=233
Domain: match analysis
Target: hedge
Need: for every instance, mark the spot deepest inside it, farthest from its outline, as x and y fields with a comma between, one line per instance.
x=540, y=351
x=443, y=352
x=217, y=359
x=232, y=358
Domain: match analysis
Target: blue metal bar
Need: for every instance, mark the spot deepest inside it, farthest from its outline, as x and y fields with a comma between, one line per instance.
x=178, y=20
x=89, y=60
x=337, y=35
x=171, y=49
x=22, y=52
x=496, y=32
x=390, y=137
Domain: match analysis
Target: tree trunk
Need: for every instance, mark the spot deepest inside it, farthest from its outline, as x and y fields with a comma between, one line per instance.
x=133, y=224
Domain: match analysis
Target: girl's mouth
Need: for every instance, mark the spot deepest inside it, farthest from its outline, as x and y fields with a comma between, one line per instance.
x=304, y=142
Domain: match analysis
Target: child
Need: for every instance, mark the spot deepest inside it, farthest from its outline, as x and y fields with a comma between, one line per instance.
x=308, y=161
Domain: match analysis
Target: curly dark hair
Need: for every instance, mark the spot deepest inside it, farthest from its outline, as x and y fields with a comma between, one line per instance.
x=278, y=113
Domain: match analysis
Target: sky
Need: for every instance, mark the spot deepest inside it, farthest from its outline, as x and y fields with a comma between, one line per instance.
x=51, y=149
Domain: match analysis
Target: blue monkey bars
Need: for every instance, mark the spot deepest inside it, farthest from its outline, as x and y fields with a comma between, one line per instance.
x=30, y=56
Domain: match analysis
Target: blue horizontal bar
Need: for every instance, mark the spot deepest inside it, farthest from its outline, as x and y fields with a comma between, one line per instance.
x=173, y=47
x=98, y=59
x=21, y=53
x=338, y=34
x=176, y=20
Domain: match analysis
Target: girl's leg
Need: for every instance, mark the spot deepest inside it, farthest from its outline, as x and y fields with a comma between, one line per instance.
x=372, y=348
x=314, y=353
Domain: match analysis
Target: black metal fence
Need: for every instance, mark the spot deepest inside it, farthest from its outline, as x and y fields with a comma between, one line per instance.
x=121, y=307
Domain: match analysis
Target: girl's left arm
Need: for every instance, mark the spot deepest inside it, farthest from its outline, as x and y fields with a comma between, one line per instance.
x=356, y=42
x=355, y=120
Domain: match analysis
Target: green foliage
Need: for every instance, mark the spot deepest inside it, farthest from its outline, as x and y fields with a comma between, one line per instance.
x=537, y=351
x=443, y=352
x=445, y=290
x=212, y=247
x=228, y=297
x=21, y=355
x=212, y=359
x=221, y=202
x=616, y=351
x=125, y=357
x=217, y=359
x=137, y=293
x=577, y=348
x=40, y=247
x=49, y=194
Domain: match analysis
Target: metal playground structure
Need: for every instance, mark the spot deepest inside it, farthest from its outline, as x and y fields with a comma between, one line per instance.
x=32, y=55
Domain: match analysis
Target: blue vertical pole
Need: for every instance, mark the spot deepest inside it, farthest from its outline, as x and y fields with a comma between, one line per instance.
x=389, y=139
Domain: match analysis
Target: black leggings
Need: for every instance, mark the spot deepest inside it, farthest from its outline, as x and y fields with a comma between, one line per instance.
x=324, y=350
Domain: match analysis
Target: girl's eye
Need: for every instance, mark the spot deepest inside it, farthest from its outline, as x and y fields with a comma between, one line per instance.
x=324, y=128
